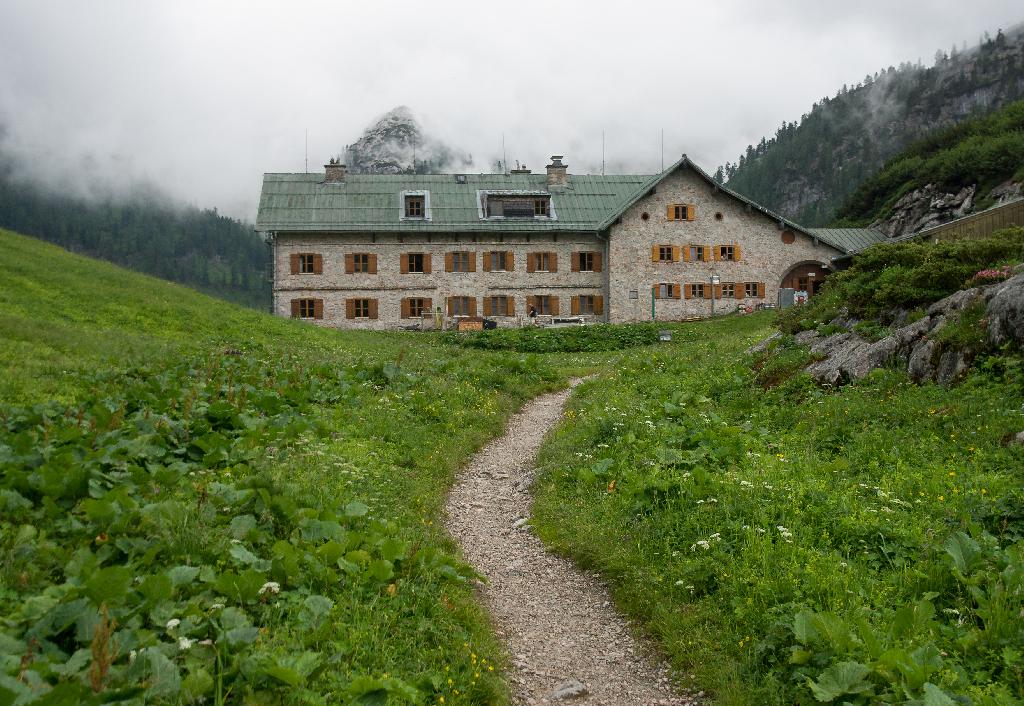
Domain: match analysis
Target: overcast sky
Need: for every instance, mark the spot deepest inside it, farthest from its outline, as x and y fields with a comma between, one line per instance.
x=203, y=97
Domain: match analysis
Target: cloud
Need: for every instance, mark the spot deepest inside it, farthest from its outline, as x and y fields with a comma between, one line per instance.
x=203, y=98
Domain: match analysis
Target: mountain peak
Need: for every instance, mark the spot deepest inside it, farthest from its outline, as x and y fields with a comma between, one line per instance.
x=397, y=144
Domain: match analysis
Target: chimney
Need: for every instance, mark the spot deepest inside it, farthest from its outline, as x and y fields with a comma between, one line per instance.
x=557, y=172
x=334, y=172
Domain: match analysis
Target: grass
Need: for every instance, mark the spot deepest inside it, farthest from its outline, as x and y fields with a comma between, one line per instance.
x=797, y=545
x=202, y=502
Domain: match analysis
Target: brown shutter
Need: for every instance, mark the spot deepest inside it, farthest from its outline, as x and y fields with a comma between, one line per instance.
x=404, y=263
x=676, y=290
x=472, y=306
x=737, y=290
x=451, y=306
x=718, y=291
x=574, y=263
x=531, y=262
x=554, y=306
x=318, y=264
x=574, y=305
x=487, y=306
x=294, y=262
x=406, y=312
x=760, y=290
x=449, y=262
x=686, y=253
x=671, y=213
x=318, y=308
x=736, y=251
x=510, y=262
x=656, y=291
x=599, y=305
x=373, y=308
x=428, y=306
x=688, y=290
x=691, y=211
x=472, y=261
x=531, y=302
x=426, y=263
x=675, y=253
x=373, y=264
x=597, y=262
x=350, y=264
x=718, y=253
x=487, y=262
x=350, y=308
x=707, y=291
x=295, y=308
x=510, y=305
x=553, y=266
x=654, y=253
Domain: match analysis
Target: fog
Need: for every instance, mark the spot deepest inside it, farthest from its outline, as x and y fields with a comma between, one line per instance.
x=202, y=98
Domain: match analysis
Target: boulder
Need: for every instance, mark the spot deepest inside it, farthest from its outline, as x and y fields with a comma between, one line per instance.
x=957, y=301
x=952, y=364
x=806, y=338
x=920, y=367
x=1005, y=311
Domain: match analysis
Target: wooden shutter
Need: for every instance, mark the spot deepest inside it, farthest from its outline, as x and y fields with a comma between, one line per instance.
x=487, y=262
x=691, y=211
x=707, y=291
x=597, y=262
x=472, y=261
x=318, y=264
x=373, y=308
x=599, y=305
x=404, y=263
x=294, y=262
x=531, y=262
x=737, y=290
x=451, y=306
x=426, y=263
x=760, y=290
x=373, y=264
x=510, y=305
x=318, y=308
x=676, y=290
x=554, y=306
x=428, y=306
x=686, y=253
x=531, y=303
x=574, y=305
x=718, y=253
x=718, y=291
x=472, y=306
x=670, y=214
x=350, y=264
x=675, y=253
x=656, y=291
x=449, y=262
x=688, y=290
x=295, y=308
x=736, y=251
x=574, y=263
x=552, y=262
x=487, y=306
x=510, y=263
x=350, y=308
x=406, y=309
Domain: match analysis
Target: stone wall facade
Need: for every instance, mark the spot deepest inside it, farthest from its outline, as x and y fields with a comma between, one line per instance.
x=719, y=219
x=388, y=286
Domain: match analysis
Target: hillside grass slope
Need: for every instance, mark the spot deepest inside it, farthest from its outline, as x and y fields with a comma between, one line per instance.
x=201, y=503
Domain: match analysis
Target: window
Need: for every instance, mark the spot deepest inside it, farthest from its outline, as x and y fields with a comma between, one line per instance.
x=697, y=290
x=753, y=290
x=666, y=290
x=665, y=253
x=463, y=261
x=540, y=207
x=499, y=261
x=587, y=262
x=461, y=306
x=306, y=264
x=361, y=308
x=545, y=304
x=498, y=306
x=415, y=307
x=415, y=206
x=543, y=262
x=586, y=304
x=361, y=262
x=802, y=283
x=415, y=263
x=697, y=253
x=729, y=290
x=726, y=252
x=681, y=212
x=306, y=308
x=515, y=205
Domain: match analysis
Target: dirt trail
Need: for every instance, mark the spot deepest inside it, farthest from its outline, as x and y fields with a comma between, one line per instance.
x=567, y=642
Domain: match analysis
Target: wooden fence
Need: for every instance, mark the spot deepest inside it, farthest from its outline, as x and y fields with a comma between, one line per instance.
x=978, y=225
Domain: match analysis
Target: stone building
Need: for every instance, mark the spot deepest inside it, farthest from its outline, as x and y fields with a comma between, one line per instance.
x=387, y=251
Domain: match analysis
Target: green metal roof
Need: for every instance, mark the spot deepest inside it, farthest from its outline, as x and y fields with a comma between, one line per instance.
x=372, y=202
x=849, y=240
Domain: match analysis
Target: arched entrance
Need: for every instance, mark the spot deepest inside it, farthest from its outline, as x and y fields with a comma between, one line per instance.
x=806, y=276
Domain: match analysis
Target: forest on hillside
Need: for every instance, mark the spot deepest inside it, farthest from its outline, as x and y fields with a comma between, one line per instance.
x=808, y=167
x=199, y=248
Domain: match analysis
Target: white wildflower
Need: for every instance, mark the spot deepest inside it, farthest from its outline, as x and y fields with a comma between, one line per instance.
x=217, y=606
x=270, y=587
x=173, y=623
x=184, y=643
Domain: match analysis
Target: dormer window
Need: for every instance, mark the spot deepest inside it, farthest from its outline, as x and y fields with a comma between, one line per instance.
x=542, y=206
x=515, y=204
x=415, y=206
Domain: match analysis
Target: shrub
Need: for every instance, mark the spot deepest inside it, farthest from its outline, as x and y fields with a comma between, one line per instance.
x=530, y=339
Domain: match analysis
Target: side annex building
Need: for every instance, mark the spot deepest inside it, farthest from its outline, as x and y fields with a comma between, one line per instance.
x=379, y=251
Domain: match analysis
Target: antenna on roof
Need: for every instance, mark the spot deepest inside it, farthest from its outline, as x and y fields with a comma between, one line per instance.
x=662, y=149
x=602, y=153
x=307, y=150
x=504, y=157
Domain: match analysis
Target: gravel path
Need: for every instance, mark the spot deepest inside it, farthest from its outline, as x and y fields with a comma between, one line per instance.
x=567, y=643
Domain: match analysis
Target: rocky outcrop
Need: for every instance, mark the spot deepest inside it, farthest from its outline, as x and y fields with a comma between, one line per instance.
x=926, y=207
x=846, y=356
x=397, y=144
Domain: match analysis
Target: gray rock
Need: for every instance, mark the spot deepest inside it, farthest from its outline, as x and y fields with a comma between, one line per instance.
x=762, y=346
x=568, y=690
x=1018, y=438
x=845, y=359
x=952, y=364
x=920, y=366
x=907, y=336
x=806, y=338
x=1006, y=311
x=957, y=301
